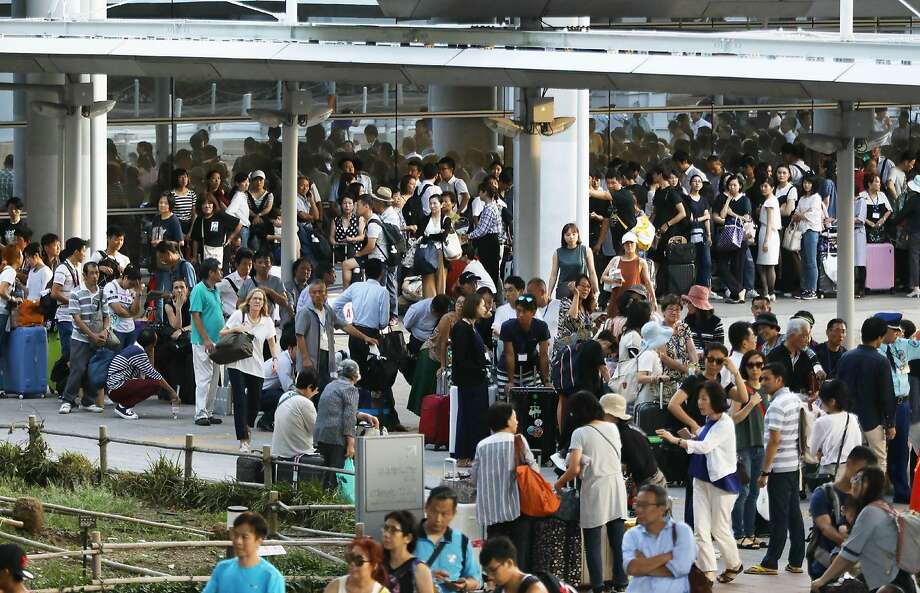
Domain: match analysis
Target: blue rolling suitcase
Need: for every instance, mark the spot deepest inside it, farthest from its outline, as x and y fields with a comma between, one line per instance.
x=27, y=362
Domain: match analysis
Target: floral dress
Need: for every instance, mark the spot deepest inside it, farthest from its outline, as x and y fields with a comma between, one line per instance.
x=571, y=329
x=677, y=350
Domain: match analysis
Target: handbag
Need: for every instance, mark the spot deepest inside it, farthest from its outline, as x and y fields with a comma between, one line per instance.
x=699, y=582
x=569, y=506
x=98, y=368
x=680, y=252
x=427, y=258
x=792, y=238
x=30, y=313
x=732, y=237
x=232, y=347
x=452, y=248
x=537, y=498
x=412, y=288
x=97, y=325
x=409, y=257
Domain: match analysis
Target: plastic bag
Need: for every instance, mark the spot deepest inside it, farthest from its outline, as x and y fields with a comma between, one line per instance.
x=347, y=482
x=763, y=504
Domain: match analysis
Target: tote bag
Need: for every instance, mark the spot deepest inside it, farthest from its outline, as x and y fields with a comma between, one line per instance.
x=792, y=238
x=732, y=237
x=537, y=498
x=426, y=259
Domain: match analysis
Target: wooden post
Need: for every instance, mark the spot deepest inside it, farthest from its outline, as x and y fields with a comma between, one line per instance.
x=267, y=465
x=189, y=449
x=103, y=452
x=359, y=529
x=33, y=426
x=96, y=539
x=273, y=498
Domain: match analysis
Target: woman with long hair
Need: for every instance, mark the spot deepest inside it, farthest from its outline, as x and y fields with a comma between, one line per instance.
x=571, y=261
x=699, y=213
x=731, y=261
x=469, y=372
x=809, y=216
x=184, y=197
x=366, y=569
x=603, y=489
x=214, y=185
x=749, y=427
x=405, y=572
x=713, y=465
x=213, y=229
x=345, y=234
x=873, y=540
x=434, y=232
x=575, y=313
x=10, y=298
x=261, y=201
x=768, y=242
x=246, y=375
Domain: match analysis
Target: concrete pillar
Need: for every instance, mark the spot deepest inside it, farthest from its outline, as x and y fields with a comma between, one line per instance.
x=99, y=186
x=73, y=176
x=846, y=280
x=86, y=202
x=289, y=137
x=461, y=134
x=527, y=207
x=163, y=108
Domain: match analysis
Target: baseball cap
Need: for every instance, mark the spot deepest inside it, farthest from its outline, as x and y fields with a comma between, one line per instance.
x=630, y=237
x=468, y=277
x=13, y=559
x=257, y=173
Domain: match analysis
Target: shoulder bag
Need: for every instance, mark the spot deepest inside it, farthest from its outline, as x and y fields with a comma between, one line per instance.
x=732, y=237
x=96, y=325
x=792, y=237
x=699, y=582
x=815, y=480
x=232, y=347
x=537, y=498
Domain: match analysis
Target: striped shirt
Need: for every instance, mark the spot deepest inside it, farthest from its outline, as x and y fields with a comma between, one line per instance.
x=130, y=363
x=497, y=496
x=783, y=416
x=84, y=303
x=184, y=205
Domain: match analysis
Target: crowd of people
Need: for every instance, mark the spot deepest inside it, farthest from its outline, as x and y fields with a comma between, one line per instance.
x=623, y=330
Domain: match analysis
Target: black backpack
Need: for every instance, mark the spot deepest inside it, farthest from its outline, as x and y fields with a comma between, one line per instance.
x=47, y=303
x=110, y=263
x=549, y=580
x=395, y=240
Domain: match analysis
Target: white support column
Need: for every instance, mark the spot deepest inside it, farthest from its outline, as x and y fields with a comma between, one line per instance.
x=99, y=187
x=289, y=172
x=846, y=285
x=846, y=20
x=581, y=173
x=527, y=208
x=85, y=164
x=73, y=176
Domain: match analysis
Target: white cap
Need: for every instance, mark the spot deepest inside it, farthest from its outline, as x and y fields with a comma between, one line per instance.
x=630, y=237
x=257, y=173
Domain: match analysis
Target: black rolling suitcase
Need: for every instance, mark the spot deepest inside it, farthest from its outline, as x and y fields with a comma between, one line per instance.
x=249, y=469
x=536, y=415
x=295, y=474
x=680, y=278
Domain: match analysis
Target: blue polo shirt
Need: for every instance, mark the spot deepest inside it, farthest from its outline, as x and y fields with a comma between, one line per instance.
x=206, y=301
x=451, y=558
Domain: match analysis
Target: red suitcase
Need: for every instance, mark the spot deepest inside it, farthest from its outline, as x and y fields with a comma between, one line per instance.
x=879, y=266
x=435, y=421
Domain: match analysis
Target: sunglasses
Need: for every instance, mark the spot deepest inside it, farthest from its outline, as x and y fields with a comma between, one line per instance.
x=713, y=360
x=755, y=365
x=356, y=559
x=525, y=298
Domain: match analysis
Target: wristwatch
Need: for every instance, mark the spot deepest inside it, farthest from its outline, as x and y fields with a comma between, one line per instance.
x=765, y=474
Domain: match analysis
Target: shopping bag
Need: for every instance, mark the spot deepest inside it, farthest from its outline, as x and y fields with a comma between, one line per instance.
x=347, y=482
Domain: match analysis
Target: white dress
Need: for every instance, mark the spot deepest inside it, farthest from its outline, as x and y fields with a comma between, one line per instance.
x=603, y=489
x=769, y=212
x=859, y=215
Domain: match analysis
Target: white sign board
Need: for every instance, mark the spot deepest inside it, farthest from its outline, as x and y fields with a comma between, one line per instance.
x=390, y=476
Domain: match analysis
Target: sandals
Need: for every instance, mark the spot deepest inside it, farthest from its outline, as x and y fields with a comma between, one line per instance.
x=794, y=569
x=761, y=571
x=730, y=574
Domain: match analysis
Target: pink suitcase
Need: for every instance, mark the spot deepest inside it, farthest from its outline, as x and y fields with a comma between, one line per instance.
x=880, y=266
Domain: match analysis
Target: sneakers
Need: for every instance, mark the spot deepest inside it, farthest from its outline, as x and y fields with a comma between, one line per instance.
x=126, y=413
x=203, y=422
x=244, y=447
x=93, y=408
x=806, y=295
x=65, y=408
x=914, y=294
x=741, y=295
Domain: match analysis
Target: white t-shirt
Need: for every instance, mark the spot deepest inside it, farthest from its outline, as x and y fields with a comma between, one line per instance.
x=122, y=259
x=229, y=287
x=38, y=280
x=631, y=340
x=8, y=275
x=295, y=420
x=827, y=437
x=375, y=231
x=549, y=314
x=261, y=331
x=114, y=293
x=239, y=207
x=476, y=267
x=502, y=314
x=457, y=186
x=649, y=362
x=65, y=274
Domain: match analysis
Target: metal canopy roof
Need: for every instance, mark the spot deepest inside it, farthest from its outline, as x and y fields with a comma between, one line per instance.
x=776, y=64
x=675, y=9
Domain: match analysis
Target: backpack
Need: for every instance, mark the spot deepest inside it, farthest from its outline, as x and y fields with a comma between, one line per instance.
x=907, y=555
x=108, y=262
x=395, y=242
x=562, y=368
x=814, y=552
x=549, y=580
x=47, y=303
x=314, y=243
